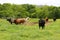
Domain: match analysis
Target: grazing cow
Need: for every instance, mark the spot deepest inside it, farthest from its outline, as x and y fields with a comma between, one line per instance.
x=41, y=23
x=54, y=19
x=21, y=20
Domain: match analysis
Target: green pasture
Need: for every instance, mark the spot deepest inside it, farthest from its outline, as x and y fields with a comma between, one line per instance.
x=29, y=32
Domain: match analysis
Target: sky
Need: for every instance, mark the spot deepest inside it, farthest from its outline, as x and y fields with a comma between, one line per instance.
x=34, y=2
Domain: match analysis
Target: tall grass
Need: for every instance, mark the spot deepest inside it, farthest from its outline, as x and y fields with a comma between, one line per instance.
x=29, y=32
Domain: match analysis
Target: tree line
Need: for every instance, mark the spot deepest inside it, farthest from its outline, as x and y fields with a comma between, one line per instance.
x=28, y=10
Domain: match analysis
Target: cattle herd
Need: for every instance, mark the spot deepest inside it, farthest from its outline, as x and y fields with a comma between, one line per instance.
x=41, y=21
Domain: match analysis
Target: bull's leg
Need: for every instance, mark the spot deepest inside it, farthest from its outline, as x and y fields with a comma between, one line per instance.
x=54, y=19
x=43, y=27
x=11, y=22
x=16, y=23
x=39, y=25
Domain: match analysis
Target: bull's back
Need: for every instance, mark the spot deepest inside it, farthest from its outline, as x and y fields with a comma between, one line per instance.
x=19, y=21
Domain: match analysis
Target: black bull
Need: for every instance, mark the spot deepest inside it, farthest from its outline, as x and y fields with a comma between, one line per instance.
x=41, y=24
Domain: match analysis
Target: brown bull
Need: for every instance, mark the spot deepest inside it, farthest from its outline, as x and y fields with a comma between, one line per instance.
x=19, y=21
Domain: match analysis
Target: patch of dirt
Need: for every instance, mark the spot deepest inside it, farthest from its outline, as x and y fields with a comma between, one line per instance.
x=34, y=23
x=47, y=23
x=31, y=23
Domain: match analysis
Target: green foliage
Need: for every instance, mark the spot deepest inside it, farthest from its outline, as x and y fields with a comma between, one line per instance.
x=28, y=10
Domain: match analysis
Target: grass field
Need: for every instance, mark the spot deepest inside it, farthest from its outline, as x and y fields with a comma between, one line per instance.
x=29, y=32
